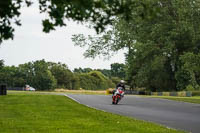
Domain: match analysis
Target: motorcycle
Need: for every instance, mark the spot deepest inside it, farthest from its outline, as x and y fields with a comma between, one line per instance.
x=117, y=96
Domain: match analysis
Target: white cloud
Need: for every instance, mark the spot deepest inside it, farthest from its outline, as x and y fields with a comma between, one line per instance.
x=31, y=44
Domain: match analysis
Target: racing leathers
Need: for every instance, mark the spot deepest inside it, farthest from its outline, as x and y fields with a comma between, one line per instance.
x=122, y=86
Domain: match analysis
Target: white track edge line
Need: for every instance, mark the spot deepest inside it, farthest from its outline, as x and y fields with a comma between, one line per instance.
x=83, y=104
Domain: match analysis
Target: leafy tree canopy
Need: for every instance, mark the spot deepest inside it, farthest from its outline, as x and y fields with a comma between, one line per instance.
x=158, y=44
x=99, y=12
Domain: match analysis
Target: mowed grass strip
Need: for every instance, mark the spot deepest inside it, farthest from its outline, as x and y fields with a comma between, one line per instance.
x=38, y=113
x=195, y=99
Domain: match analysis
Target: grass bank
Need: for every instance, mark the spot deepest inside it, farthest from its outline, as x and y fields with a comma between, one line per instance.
x=60, y=91
x=96, y=92
x=195, y=99
x=39, y=113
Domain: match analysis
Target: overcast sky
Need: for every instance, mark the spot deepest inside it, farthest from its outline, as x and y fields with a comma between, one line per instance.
x=31, y=44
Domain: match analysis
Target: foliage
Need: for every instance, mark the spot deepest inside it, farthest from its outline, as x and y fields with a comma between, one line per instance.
x=44, y=81
x=191, y=64
x=106, y=72
x=99, y=13
x=82, y=70
x=88, y=82
x=170, y=35
x=1, y=64
x=44, y=75
x=95, y=80
x=115, y=80
x=183, y=79
x=117, y=37
x=118, y=70
x=75, y=82
x=11, y=76
x=62, y=74
x=157, y=44
x=35, y=74
x=9, y=13
x=189, y=88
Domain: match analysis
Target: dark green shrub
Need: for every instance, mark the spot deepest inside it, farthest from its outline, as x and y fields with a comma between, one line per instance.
x=115, y=80
x=94, y=80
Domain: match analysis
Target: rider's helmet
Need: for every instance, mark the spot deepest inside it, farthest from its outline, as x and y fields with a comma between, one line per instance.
x=122, y=81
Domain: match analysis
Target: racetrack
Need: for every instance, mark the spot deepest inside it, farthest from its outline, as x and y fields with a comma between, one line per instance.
x=178, y=115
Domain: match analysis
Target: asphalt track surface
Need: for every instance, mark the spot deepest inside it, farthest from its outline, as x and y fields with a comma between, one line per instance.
x=178, y=115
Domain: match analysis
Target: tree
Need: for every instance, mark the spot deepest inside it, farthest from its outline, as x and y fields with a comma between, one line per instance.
x=75, y=82
x=157, y=35
x=105, y=72
x=9, y=13
x=191, y=67
x=173, y=32
x=82, y=70
x=38, y=75
x=43, y=78
x=1, y=64
x=94, y=80
x=98, y=12
x=11, y=76
x=118, y=70
x=27, y=71
x=115, y=80
x=119, y=36
x=149, y=68
x=62, y=74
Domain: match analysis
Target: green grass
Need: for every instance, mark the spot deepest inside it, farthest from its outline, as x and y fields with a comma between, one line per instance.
x=39, y=113
x=195, y=99
x=87, y=92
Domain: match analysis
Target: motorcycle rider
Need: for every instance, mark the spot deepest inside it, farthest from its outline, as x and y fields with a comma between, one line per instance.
x=120, y=84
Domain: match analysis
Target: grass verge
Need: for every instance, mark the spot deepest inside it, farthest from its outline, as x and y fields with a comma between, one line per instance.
x=38, y=113
x=195, y=99
x=93, y=92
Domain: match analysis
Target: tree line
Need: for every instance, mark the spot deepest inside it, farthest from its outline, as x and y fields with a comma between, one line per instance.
x=162, y=36
x=44, y=75
x=163, y=48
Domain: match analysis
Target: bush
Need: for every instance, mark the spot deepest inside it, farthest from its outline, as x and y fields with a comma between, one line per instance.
x=190, y=88
x=115, y=80
x=95, y=80
x=75, y=82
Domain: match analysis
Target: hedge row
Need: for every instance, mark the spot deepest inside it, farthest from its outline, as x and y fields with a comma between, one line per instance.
x=94, y=81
